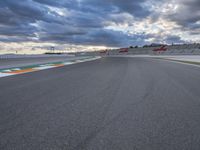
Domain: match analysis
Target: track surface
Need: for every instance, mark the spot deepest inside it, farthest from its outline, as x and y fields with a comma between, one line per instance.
x=107, y=104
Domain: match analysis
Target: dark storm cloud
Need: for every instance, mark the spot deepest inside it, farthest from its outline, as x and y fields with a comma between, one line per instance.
x=16, y=18
x=84, y=25
x=134, y=7
x=38, y=20
x=59, y=3
x=24, y=12
x=100, y=37
x=19, y=30
x=174, y=39
x=187, y=14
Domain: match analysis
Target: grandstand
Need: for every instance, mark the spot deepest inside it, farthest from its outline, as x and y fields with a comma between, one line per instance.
x=184, y=49
x=181, y=49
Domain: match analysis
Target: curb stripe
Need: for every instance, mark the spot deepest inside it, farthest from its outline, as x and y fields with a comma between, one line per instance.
x=59, y=65
x=22, y=71
x=16, y=71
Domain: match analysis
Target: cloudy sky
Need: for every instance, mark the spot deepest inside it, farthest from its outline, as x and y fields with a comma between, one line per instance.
x=32, y=25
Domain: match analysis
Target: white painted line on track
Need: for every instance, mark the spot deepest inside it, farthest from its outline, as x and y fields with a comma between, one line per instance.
x=43, y=67
x=183, y=63
x=163, y=58
x=4, y=74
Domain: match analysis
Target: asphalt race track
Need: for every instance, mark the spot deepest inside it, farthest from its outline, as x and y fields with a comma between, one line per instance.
x=106, y=104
